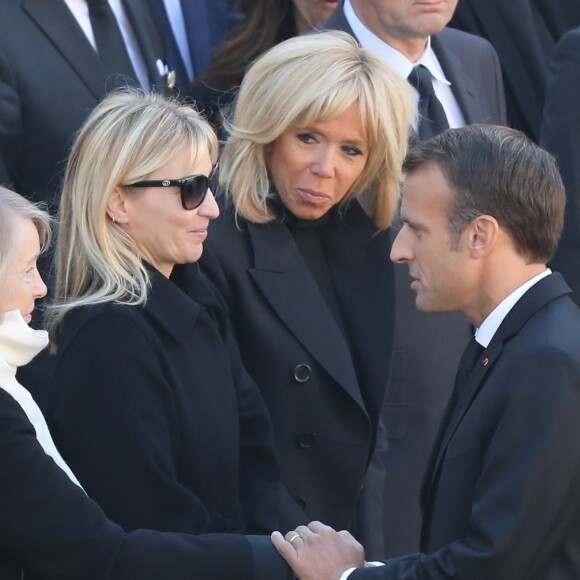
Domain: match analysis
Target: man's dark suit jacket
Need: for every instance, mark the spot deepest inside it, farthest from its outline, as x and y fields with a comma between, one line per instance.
x=561, y=136
x=51, y=530
x=524, y=33
x=50, y=80
x=207, y=23
x=427, y=347
x=323, y=377
x=501, y=497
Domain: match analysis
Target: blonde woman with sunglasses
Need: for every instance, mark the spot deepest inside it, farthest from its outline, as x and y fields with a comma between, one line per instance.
x=149, y=403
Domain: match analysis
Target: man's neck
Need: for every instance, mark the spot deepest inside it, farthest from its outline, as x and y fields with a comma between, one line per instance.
x=411, y=47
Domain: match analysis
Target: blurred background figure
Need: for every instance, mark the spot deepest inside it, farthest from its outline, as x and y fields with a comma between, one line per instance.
x=49, y=527
x=191, y=30
x=58, y=59
x=524, y=34
x=149, y=403
x=561, y=136
x=264, y=23
x=312, y=168
x=457, y=80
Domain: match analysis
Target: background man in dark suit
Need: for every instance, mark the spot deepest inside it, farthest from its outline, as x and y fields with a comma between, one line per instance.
x=191, y=30
x=483, y=208
x=466, y=78
x=51, y=77
x=561, y=136
x=524, y=33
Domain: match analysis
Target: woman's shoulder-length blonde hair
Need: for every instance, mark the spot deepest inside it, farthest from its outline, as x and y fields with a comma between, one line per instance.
x=308, y=79
x=128, y=135
x=12, y=207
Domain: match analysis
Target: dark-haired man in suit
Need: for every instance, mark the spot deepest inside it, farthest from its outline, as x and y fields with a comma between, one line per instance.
x=465, y=74
x=483, y=209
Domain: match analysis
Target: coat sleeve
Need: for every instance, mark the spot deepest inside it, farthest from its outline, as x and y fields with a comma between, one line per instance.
x=51, y=525
x=114, y=417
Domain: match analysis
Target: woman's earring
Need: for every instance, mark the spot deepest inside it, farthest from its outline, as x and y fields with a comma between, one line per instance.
x=114, y=219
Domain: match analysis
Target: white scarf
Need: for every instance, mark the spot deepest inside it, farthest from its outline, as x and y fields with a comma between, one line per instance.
x=19, y=344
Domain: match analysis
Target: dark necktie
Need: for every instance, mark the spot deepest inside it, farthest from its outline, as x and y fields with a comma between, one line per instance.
x=469, y=359
x=432, y=115
x=110, y=43
x=174, y=59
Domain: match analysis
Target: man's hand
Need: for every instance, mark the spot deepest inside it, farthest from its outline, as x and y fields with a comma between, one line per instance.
x=317, y=552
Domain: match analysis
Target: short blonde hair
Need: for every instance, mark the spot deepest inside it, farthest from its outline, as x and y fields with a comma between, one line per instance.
x=304, y=80
x=128, y=135
x=14, y=206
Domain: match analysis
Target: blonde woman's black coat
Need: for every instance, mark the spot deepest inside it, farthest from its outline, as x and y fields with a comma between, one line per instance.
x=324, y=386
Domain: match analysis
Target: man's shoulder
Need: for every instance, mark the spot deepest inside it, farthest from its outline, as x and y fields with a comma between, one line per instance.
x=453, y=39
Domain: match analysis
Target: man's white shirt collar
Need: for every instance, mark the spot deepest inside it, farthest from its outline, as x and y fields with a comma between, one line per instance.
x=489, y=326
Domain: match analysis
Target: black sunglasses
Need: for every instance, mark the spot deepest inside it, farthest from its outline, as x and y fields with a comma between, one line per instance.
x=193, y=189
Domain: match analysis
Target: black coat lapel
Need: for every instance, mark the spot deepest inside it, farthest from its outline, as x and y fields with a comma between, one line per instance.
x=357, y=252
x=283, y=277
x=536, y=297
x=59, y=25
x=461, y=83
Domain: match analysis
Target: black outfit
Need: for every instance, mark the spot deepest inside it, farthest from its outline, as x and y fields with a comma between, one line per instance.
x=311, y=305
x=561, y=136
x=501, y=497
x=153, y=411
x=50, y=529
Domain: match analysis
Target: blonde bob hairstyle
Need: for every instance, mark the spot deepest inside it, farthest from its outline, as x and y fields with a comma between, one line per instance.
x=12, y=208
x=313, y=78
x=128, y=135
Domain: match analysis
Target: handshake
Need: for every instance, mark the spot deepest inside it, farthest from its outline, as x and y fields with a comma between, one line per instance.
x=317, y=552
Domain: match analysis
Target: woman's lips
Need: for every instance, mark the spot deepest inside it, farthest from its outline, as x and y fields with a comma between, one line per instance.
x=312, y=196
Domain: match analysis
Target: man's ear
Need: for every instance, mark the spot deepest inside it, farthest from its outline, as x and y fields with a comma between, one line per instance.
x=483, y=233
x=117, y=206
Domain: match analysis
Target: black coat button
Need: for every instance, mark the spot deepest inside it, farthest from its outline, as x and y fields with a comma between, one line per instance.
x=301, y=502
x=306, y=440
x=302, y=373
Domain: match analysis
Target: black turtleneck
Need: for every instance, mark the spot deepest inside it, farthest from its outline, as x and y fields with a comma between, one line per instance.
x=309, y=237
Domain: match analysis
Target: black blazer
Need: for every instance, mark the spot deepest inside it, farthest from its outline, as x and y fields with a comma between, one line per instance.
x=502, y=493
x=561, y=136
x=50, y=529
x=323, y=387
x=427, y=347
x=154, y=413
x=50, y=80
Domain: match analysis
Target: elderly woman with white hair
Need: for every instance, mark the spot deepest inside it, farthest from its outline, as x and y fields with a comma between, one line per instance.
x=312, y=167
x=49, y=528
x=149, y=403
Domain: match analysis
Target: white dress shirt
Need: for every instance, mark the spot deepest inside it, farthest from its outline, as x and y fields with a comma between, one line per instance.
x=403, y=66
